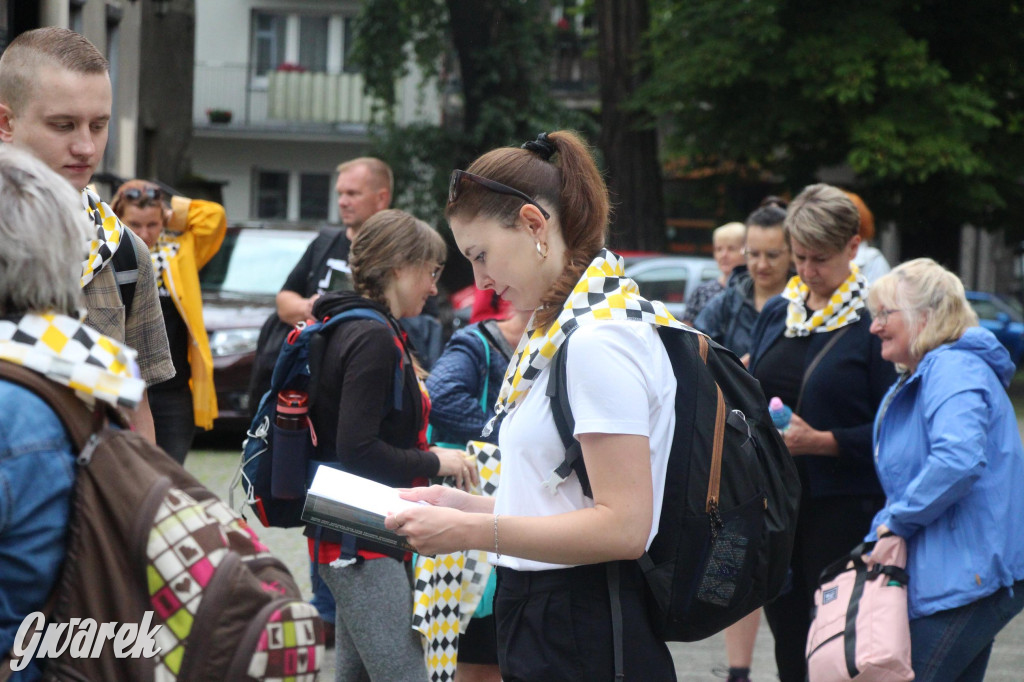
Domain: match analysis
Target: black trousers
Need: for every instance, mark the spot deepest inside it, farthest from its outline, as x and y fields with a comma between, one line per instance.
x=173, y=420
x=827, y=528
x=556, y=626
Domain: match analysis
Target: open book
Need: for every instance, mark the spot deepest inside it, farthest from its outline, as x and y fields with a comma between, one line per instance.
x=352, y=504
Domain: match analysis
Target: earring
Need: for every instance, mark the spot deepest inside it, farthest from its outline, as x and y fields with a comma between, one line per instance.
x=542, y=251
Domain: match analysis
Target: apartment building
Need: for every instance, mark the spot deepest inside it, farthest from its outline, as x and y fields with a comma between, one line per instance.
x=278, y=103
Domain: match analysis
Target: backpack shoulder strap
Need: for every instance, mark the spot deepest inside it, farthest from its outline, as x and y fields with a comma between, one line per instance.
x=489, y=329
x=79, y=421
x=813, y=364
x=318, y=345
x=561, y=410
x=487, y=369
x=126, y=271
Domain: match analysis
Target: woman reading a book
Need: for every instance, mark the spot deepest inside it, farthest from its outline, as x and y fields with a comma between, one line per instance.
x=533, y=223
x=396, y=260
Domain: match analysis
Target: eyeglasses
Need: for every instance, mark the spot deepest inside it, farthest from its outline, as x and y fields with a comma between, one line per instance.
x=768, y=255
x=496, y=187
x=882, y=315
x=136, y=193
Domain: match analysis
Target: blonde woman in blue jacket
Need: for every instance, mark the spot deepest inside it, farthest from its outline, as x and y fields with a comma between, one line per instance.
x=949, y=457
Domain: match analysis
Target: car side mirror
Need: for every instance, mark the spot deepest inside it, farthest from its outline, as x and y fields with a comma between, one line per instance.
x=1003, y=319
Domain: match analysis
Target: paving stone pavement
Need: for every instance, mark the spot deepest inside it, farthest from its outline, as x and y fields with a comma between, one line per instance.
x=694, y=661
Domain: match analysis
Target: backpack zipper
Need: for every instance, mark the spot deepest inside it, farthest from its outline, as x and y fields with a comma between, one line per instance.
x=815, y=649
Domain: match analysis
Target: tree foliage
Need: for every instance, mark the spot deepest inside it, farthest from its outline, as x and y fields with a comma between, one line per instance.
x=502, y=53
x=921, y=99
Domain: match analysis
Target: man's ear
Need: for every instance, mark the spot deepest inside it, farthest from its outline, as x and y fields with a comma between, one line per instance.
x=383, y=199
x=6, y=123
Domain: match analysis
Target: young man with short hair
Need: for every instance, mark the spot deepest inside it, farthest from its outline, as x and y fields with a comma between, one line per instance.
x=55, y=102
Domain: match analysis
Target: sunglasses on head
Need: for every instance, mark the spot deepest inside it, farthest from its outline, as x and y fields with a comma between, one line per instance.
x=496, y=187
x=136, y=193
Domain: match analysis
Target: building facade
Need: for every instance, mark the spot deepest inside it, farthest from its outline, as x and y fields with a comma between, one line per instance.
x=278, y=103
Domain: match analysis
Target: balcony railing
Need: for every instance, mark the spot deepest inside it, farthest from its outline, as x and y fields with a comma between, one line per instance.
x=282, y=98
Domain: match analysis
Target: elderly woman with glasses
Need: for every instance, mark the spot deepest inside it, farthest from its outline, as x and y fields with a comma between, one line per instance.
x=812, y=347
x=949, y=456
x=182, y=235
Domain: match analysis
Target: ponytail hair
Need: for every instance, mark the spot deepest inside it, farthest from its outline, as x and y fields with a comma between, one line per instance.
x=559, y=171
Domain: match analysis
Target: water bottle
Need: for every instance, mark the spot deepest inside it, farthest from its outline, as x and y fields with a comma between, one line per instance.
x=291, y=444
x=780, y=413
x=292, y=409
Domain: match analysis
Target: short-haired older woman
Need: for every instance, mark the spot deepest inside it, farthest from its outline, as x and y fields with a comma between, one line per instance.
x=41, y=328
x=949, y=456
x=812, y=347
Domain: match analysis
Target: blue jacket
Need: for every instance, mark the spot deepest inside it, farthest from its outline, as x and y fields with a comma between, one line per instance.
x=37, y=471
x=456, y=384
x=949, y=456
x=841, y=395
x=729, y=317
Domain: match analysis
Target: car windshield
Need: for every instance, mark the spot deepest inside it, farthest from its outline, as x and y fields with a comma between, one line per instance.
x=254, y=261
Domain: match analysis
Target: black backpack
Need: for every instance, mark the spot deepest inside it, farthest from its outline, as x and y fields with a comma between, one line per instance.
x=274, y=330
x=728, y=519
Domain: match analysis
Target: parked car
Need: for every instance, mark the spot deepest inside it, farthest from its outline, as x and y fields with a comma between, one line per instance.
x=1003, y=317
x=670, y=278
x=239, y=287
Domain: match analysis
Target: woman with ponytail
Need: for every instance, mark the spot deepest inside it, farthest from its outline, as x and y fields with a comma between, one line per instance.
x=533, y=223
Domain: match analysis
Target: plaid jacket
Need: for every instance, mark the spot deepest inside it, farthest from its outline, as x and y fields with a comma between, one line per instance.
x=144, y=329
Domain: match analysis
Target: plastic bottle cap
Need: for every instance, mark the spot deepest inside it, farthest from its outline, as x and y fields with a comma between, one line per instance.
x=775, y=404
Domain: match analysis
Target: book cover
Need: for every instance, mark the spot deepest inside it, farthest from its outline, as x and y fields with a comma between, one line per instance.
x=351, y=504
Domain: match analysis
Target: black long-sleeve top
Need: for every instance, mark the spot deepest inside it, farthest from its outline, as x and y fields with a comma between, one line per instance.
x=354, y=416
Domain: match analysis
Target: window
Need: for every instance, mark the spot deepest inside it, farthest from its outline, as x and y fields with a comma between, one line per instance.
x=268, y=42
x=314, y=196
x=272, y=195
x=348, y=43
x=313, y=43
x=284, y=195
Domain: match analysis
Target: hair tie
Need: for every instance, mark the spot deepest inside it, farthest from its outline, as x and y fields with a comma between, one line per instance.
x=542, y=147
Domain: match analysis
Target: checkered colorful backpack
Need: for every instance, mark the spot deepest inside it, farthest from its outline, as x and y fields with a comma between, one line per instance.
x=146, y=536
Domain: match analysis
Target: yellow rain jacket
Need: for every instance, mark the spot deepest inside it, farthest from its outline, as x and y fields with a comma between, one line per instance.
x=198, y=227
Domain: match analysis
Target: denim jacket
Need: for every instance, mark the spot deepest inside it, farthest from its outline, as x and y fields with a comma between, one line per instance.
x=37, y=471
x=949, y=456
x=455, y=385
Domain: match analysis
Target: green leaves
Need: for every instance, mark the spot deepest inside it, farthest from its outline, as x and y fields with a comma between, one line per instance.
x=903, y=92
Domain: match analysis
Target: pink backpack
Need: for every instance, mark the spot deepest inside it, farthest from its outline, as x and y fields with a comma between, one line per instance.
x=860, y=630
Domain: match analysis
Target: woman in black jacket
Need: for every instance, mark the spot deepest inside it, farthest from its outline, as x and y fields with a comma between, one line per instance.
x=811, y=346
x=371, y=413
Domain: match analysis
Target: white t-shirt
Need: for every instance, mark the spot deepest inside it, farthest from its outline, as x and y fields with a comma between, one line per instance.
x=620, y=381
